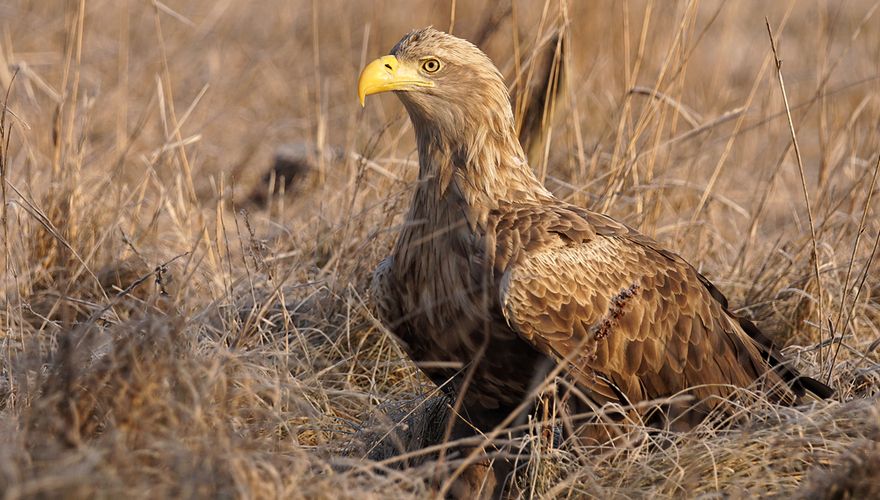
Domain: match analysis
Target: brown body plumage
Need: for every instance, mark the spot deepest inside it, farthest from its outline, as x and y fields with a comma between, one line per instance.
x=493, y=272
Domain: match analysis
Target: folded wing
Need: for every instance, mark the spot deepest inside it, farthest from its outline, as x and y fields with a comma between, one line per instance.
x=635, y=322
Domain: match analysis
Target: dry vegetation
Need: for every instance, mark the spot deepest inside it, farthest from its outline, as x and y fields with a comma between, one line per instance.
x=173, y=326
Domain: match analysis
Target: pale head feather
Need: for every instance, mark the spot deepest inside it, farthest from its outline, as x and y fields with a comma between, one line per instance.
x=464, y=123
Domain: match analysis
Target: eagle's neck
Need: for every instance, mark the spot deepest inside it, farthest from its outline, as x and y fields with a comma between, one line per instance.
x=475, y=164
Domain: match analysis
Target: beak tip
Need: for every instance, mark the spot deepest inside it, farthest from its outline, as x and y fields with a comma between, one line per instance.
x=378, y=76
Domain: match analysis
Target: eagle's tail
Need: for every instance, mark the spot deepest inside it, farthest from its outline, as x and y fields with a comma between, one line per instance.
x=799, y=384
x=810, y=384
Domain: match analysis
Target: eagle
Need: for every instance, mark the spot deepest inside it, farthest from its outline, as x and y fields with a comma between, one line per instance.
x=494, y=282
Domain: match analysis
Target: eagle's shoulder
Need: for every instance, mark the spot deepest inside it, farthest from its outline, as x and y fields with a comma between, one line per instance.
x=516, y=230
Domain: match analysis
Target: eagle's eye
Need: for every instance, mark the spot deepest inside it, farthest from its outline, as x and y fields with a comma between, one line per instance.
x=431, y=65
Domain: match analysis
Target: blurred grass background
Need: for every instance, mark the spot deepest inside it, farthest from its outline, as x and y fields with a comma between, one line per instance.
x=178, y=320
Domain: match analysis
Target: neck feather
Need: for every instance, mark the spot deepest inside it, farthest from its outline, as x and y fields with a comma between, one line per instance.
x=480, y=160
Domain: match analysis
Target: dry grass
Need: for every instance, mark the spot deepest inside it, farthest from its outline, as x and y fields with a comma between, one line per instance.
x=167, y=332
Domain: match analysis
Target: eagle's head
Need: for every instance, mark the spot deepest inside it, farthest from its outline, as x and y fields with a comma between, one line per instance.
x=442, y=80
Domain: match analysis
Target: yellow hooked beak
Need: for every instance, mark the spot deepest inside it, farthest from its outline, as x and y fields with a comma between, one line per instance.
x=387, y=73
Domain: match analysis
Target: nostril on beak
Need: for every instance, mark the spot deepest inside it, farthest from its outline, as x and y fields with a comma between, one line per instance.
x=388, y=66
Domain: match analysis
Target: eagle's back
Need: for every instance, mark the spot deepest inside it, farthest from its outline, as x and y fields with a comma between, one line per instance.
x=633, y=321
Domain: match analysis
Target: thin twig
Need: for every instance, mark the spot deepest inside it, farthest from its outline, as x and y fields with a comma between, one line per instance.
x=800, y=164
x=740, y=122
x=692, y=117
x=852, y=260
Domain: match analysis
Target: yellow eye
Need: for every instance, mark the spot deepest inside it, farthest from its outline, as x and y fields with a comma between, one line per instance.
x=431, y=65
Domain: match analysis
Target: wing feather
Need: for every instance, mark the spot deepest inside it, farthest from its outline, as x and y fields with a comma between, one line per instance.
x=639, y=316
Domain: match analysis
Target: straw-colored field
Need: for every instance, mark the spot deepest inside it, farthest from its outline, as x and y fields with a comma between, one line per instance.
x=173, y=326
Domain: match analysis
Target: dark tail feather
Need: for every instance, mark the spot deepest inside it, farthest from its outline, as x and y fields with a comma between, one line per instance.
x=810, y=384
x=799, y=383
